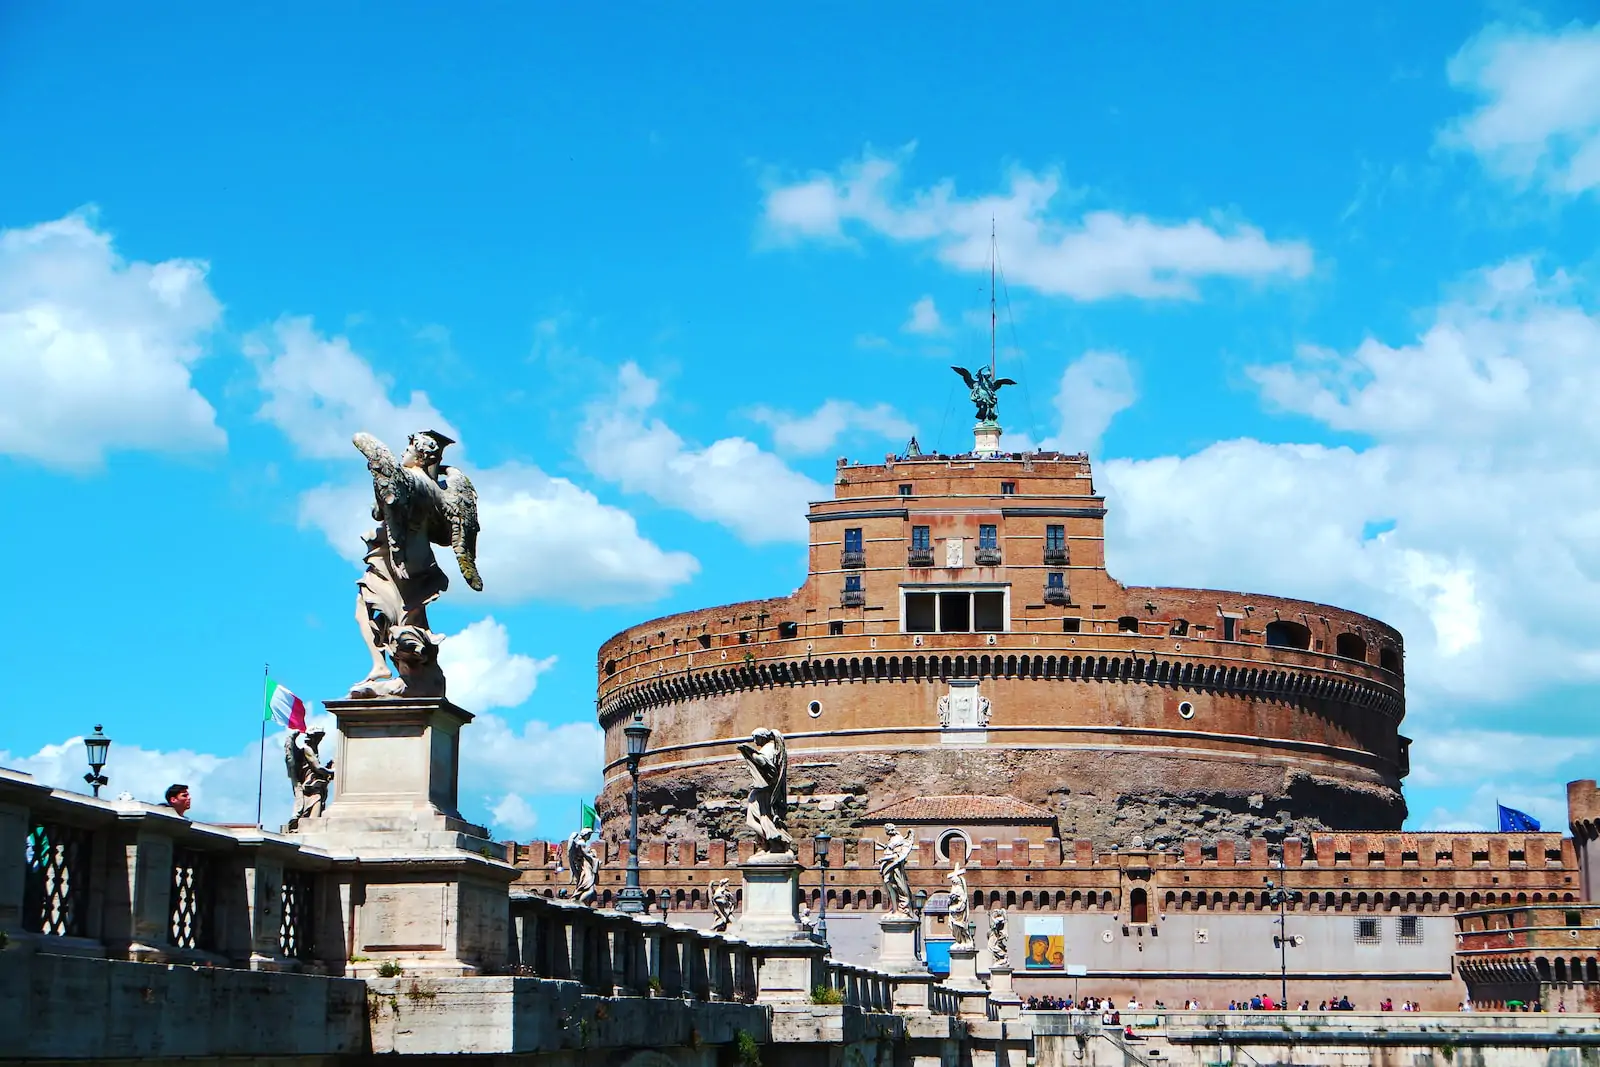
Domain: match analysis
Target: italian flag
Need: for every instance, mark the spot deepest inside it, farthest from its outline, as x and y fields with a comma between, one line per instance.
x=284, y=708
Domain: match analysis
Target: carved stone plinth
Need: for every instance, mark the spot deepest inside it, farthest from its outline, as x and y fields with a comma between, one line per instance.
x=789, y=965
x=963, y=981
x=1001, y=992
x=431, y=892
x=897, y=954
x=986, y=438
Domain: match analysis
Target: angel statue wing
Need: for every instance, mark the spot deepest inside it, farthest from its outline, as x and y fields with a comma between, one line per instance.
x=461, y=506
x=966, y=376
x=998, y=382
x=575, y=854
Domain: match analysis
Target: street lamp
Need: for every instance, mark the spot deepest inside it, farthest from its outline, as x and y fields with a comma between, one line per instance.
x=96, y=745
x=631, y=899
x=1280, y=897
x=823, y=840
x=919, y=901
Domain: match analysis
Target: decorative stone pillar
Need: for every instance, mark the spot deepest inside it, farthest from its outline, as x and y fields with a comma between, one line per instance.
x=963, y=981
x=431, y=892
x=897, y=954
x=1001, y=993
x=986, y=438
x=789, y=965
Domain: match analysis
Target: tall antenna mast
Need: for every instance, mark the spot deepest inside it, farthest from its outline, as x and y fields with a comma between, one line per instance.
x=992, y=254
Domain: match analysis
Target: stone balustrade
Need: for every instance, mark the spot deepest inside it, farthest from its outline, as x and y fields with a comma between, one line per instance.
x=133, y=881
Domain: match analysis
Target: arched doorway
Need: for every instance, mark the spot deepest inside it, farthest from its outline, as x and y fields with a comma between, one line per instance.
x=1139, y=906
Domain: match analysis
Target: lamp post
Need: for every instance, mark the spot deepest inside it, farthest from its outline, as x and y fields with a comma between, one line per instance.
x=919, y=901
x=1280, y=896
x=823, y=840
x=96, y=746
x=631, y=899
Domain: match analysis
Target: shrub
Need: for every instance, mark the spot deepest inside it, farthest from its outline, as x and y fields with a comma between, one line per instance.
x=827, y=995
x=389, y=969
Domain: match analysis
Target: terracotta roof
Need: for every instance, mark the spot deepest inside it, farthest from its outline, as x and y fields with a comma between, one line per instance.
x=960, y=808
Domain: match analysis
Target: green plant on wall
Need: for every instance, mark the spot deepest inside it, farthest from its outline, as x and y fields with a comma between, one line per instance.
x=823, y=994
x=746, y=1049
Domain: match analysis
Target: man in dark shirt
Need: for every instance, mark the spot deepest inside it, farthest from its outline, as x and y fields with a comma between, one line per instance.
x=178, y=798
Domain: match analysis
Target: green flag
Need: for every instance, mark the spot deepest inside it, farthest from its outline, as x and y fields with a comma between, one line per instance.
x=588, y=818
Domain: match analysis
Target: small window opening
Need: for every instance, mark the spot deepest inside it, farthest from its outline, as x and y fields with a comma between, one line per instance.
x=1281, y=633
x=1480, y=857
x=611, y=666
x=835, y=627
x=1367, y=930
x=788, y=629
x=920, y=540
x=1574, y=918
x=744, y=637
x=905, y=490
x=1180, y=627
x=1229, y=628
x=1055, y=580
x=1389, y=659
x=852, y=583
x=704, y=639
x=1127, y=625
x=1350, y=646
x=852, y=539
x=1517, y=855
x=1071, y=626
x=988, y=536
x=1139, y=906
x=1410, y=930
x=1055, y=538
x=1410, y=857
x=1008, y=488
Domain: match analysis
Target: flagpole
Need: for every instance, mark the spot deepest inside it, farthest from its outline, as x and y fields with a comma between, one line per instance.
x=261, y=757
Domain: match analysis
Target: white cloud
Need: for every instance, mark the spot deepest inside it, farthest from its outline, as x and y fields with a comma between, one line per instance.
x=816, y=433
x=1100, y=255
x=483, y=672
x=924, y=318
x=1469, y=757
x=95, y=352
x=1094, y=388
x=320, y=393
x=1540, y=120
x=543, y=537
x=498, y=759
x=1480, y=466
x=731, y=481
x=514, y=815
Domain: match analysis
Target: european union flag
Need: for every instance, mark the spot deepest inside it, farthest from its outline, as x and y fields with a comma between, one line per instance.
x=1512, y=819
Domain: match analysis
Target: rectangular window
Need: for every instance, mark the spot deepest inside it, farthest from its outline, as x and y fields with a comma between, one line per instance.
x=704, y=639
x=1008, y=488
x=1055, y=538
x=905, y=490
x=1367, y=931
x=919, y=539
x=788, y=629
x=852, y=540
x=1410, y=930
x=989, y=612
x=852, y=583
x=988, y=536
x=1071, y=626
x=1228, y=624
x=919, y=613
x=955, y=613
x=1055, y=580
x=1574, y=918
x=836, y=628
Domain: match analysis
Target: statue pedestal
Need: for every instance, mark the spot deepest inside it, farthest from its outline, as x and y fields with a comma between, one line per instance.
x=963, y=981
x=431, y=891
x=789, y=964
x=897, y=954
x=986, y=438
x=1001, y=993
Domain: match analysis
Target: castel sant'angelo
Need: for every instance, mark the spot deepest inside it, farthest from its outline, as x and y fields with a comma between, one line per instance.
x=1132, y=769
x=958, y=634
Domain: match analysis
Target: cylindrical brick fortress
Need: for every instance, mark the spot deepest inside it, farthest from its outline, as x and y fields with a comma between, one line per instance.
x=958, y=634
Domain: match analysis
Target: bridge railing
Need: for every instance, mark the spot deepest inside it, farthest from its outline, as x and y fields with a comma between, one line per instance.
x=864, y=987
x=615, y=954
x=138, y=881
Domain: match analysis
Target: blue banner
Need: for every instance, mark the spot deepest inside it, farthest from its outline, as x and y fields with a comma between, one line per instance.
x=1512, y=819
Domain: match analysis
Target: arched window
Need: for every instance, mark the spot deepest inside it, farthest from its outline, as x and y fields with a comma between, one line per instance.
x=1138, y=906
x=1282, y=633
x=1351, y=646
x=1389, y=659
x=1128, y=624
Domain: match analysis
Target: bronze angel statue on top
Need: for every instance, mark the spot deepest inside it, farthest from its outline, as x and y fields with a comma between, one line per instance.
x=418, y=502
x=984, y=389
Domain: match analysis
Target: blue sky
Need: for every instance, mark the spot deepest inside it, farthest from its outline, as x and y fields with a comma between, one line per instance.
x=1316, y=288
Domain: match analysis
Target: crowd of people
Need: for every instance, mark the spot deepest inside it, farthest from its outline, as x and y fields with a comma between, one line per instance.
x=1107, y=1009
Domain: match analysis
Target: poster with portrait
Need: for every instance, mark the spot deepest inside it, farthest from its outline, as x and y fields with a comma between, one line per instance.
x=1044, y=943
